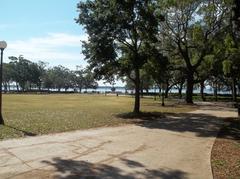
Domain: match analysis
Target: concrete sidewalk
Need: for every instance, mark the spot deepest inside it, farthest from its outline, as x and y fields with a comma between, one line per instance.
x=178, y=146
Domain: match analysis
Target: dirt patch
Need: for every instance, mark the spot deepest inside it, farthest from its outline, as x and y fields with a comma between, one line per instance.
x=36, y=174
x=225, y=157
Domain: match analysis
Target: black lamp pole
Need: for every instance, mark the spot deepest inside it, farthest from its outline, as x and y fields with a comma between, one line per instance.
x=1, y=75
x=3, y=45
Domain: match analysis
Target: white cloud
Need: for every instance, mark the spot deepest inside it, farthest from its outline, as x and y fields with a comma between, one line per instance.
x=55, y=48
x=54, y=40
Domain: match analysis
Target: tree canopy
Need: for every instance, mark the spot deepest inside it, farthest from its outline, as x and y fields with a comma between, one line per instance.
x=199, y=39
x=120, y=35
x=28, y=75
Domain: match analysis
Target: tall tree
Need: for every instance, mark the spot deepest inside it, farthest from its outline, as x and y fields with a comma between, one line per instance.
x=203, y=73
x=89, y=80
x=48, y=79
x=236, y=16
x=158, y=68
x=79, y=78
x=190, y=26
x=21, y=68
x=117, y=32
x=231, y=63
x=7, y=76
x=60, y=77
x=36, y=73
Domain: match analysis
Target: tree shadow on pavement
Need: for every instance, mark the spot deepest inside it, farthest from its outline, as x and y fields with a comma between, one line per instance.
x=202, y=125
x=72, y=169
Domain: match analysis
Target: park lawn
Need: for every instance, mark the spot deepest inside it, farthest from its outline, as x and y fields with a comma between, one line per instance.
x=51, y=113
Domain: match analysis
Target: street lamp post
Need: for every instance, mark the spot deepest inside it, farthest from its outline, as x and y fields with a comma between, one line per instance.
x=3, y=45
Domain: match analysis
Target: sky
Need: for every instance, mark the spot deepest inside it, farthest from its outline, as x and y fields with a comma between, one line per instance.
x=43, y=30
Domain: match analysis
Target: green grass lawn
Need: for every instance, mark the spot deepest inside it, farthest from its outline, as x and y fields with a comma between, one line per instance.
x=42, y=114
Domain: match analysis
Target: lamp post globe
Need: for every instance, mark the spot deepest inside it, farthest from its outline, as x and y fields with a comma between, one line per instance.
x=3, y=45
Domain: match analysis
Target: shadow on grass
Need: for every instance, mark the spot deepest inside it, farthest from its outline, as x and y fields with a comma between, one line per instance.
x=217, y=106
x=25, y=133
x=177, y=104
x=142, y=115
x=201, y=124
x=72, y=169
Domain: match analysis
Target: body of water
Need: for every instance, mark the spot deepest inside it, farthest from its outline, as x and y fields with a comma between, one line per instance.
x=119, y=89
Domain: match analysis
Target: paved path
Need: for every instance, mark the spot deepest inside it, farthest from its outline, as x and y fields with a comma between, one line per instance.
x=178, y=146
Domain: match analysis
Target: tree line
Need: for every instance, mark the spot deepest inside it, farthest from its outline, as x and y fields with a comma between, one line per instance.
x=26, y=75
x=174, y=43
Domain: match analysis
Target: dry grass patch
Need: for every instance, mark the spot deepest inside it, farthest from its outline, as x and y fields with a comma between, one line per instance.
x=43, y=114
x=226, y=152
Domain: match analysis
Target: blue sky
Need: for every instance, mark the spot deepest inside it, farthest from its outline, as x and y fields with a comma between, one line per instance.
x=43, y=30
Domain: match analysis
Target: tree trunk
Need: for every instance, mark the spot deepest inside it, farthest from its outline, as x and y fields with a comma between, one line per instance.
x=215, y=92
x=189, y=92
x=238, y=90
x=180, y=93
x=141, y=92
x=180, y=90
x=163, y=104
x=1, y=120
x=9, y=88
x=39, y=87
x=5, y=87
x=137, y=92
x=22, y=85
x=166, y=92
x=234, y=90
x=155, y=95
x=160, y=92
x=17, y=87
x=202, y=86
